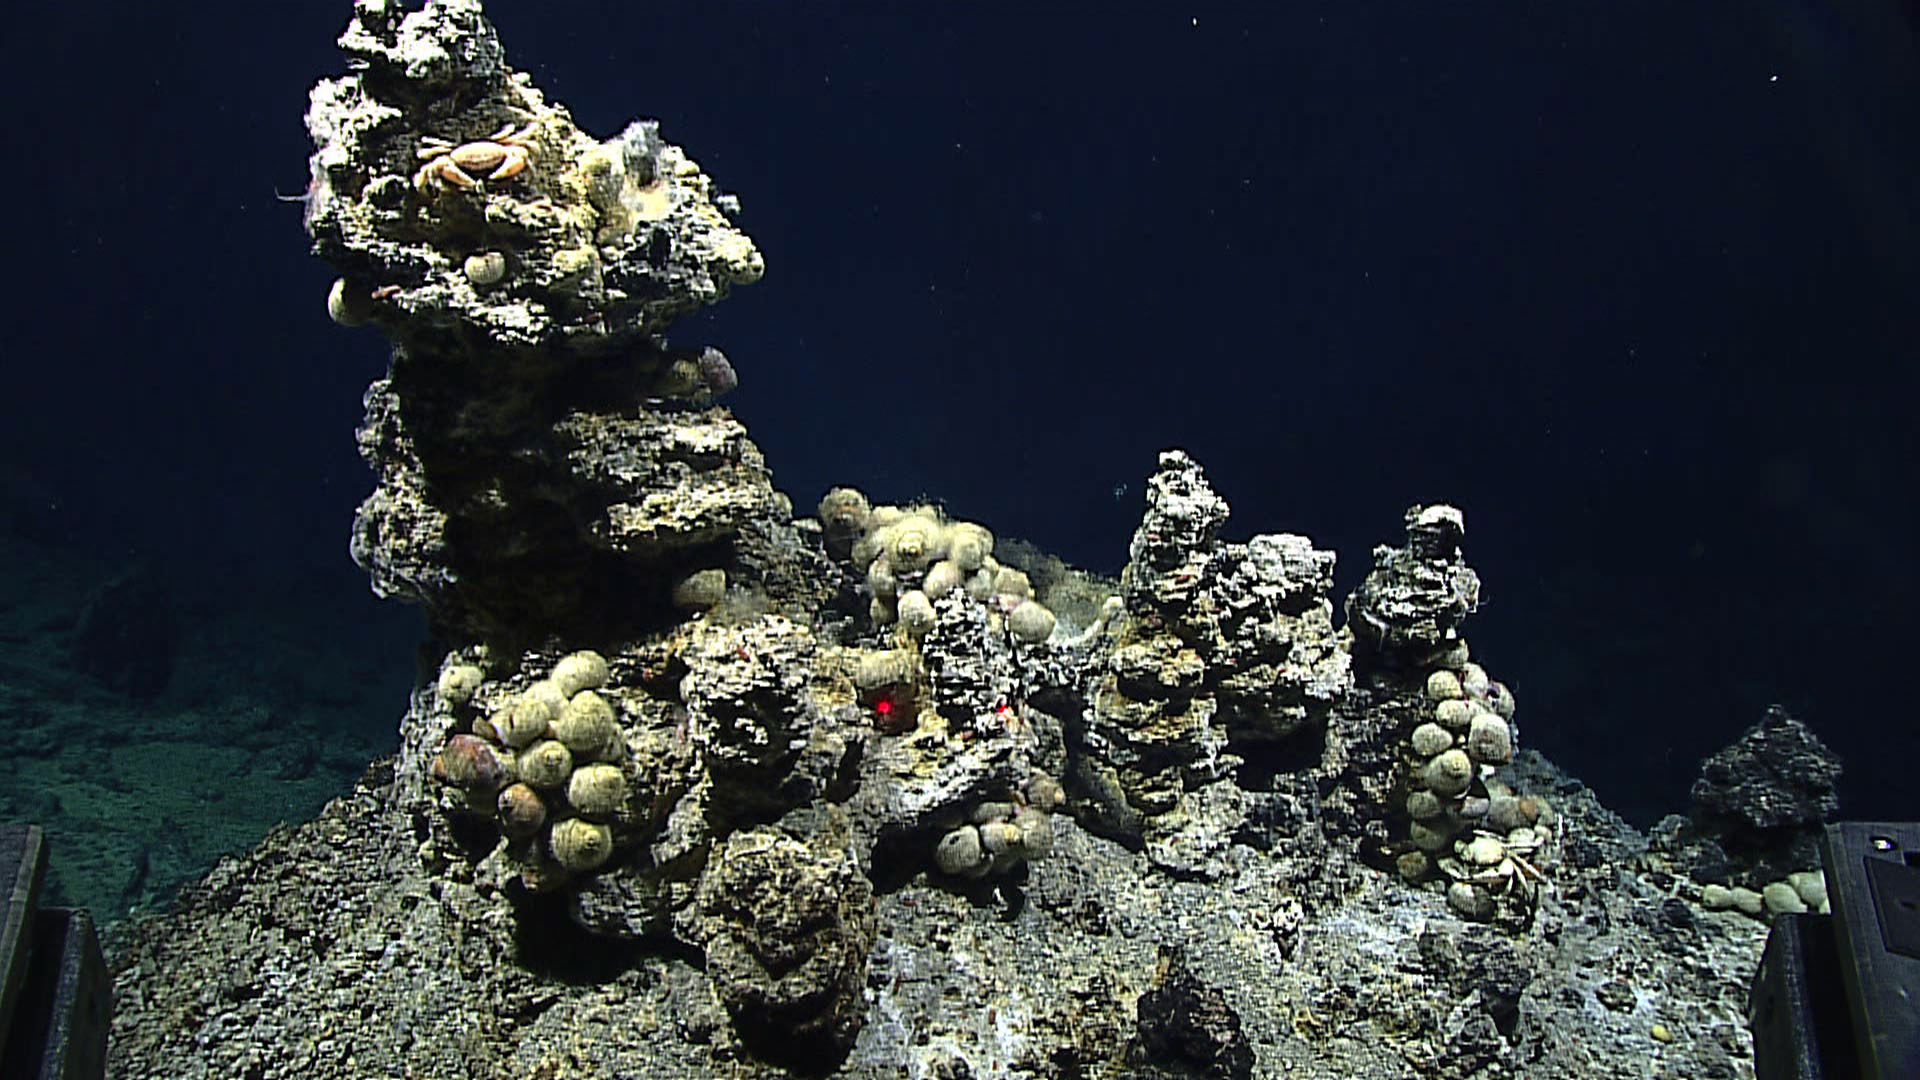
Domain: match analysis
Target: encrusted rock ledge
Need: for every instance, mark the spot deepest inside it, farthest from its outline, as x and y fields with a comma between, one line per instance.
x=696, y=787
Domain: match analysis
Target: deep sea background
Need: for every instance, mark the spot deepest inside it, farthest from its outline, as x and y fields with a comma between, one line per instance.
x=1636, y=285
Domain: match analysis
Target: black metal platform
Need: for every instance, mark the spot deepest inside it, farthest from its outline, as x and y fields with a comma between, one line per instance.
x=1835, y=994
x=56, y=999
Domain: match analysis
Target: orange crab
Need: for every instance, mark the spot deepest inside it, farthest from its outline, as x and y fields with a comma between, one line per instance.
x=501, y=157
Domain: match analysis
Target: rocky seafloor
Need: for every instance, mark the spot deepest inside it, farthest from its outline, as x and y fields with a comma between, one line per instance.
x=153, y=730
x=699, y=785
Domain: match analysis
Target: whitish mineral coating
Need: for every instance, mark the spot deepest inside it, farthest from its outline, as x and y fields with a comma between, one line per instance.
x=436, y=153
x=551, y=480
x=535, y=434
x=750, y=712
x=548, y=472
x=1222, y=641
x=1415, y=597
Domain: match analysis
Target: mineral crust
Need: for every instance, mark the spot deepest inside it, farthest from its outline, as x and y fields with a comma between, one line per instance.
x=689, y=788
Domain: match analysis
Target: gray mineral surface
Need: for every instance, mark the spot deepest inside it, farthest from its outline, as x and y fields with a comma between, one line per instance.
x=696, y=783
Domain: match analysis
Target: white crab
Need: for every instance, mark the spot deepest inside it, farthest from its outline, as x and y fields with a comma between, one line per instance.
x=1499, y=864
